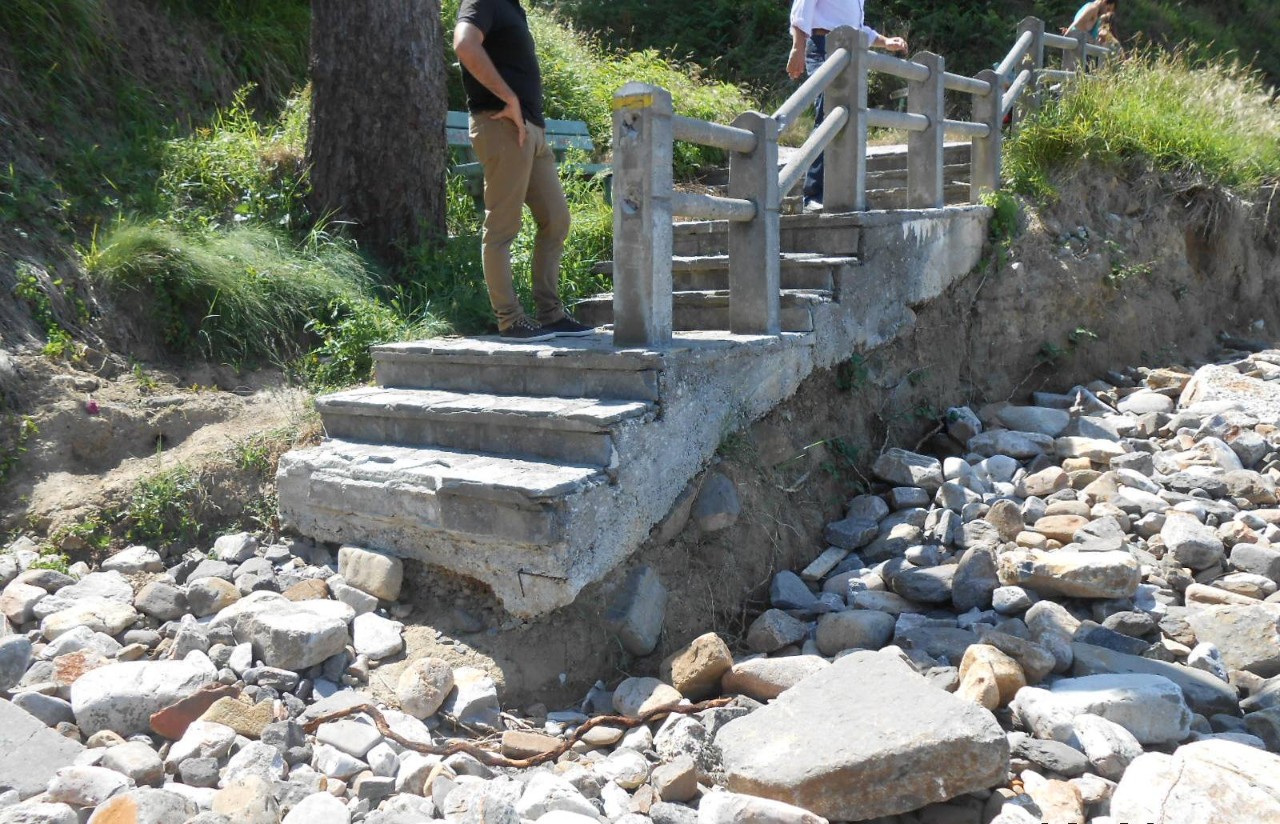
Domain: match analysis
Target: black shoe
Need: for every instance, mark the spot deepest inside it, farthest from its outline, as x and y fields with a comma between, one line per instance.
x=567, y=327
x=526, y=331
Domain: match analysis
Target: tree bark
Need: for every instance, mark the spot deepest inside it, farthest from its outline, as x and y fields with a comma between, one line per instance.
x=376, y=147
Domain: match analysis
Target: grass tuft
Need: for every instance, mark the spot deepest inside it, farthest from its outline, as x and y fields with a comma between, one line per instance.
x=241, y=295
x=1213, y=121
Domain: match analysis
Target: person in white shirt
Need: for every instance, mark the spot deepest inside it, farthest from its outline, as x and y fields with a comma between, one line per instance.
x=811, y=20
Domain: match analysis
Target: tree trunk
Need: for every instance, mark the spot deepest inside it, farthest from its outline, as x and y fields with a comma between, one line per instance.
x=377, y=148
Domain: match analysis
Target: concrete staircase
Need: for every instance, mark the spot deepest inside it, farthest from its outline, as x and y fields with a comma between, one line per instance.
x=538, y=468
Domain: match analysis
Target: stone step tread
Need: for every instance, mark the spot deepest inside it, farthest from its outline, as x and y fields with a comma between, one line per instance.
x=789, y=260
x=590, y=414
x=688, y=296
x=446, y=470
x=594, y=352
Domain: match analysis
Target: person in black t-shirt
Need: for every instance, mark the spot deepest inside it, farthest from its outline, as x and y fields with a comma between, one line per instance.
x=504, y=95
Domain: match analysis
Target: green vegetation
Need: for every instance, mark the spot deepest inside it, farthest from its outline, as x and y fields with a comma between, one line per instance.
x=746, y=41
x=1205, y=120
x=17, y=431
x=165, y=508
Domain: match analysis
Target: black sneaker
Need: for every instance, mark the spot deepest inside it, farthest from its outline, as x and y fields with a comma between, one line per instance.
x=526, y=331
x=567, y=327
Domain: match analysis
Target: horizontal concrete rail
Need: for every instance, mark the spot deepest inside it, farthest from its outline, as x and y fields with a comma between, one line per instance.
x=692, y=130
x=645, y=129
x=896, y=66
x=709, y=207
x=817, y=142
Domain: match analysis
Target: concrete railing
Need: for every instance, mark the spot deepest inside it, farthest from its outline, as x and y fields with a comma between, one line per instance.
x=645, y=202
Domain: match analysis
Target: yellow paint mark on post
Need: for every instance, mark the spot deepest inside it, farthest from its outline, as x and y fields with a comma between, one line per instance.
x=632, y=101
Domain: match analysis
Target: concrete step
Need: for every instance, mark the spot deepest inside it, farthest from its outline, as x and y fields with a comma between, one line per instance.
x=479, y=495
x=831, y=235
x=571, y=430
x=799, y=271
x=709, y=309
x=564, y=367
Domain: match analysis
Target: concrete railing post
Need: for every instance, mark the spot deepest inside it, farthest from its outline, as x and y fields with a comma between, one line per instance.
x=924, y=148
x=754, y=268
x=642, y=155
x=1075, y=59
x=1034, y=60
x=845, y=186
x=984, y=164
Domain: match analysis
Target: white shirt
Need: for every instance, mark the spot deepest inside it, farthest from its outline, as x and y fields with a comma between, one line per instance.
x=807, y=15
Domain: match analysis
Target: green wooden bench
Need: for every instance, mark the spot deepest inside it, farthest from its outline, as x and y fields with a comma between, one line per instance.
x=562, y=136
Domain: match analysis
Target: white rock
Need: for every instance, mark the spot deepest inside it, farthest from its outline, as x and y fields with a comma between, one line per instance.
x=1107, y=745
x=734, y=808
x=134, y=559
x=628, y=768
x=352, y=737
x=423, y=685
x=546, y=791
x=377, y=637
x=256, y=760
x=38, y=812
x=144, y=806
x=98, y=614
x=203, y=739
x=335, y=763
x=235, y=549
x=287, y=634
x=1150, y=707
x=86, y=786
x=122, y=697
x=1206, y=781
x=319, y=808
x=474, y=700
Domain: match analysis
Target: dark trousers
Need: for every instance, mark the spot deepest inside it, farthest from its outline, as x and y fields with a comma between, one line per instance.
x=815, y=54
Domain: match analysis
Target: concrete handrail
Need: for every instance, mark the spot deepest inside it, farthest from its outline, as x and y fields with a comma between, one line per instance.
x=645, y=201
x=816, y=83
x=1015, y=54
x=814, y=146
x=1059, y=41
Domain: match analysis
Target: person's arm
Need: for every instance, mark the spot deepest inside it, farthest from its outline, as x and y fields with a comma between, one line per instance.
x=1084, y=18
x=801, y=24
x=893, y=44
x=795, y=60
x=468, y=44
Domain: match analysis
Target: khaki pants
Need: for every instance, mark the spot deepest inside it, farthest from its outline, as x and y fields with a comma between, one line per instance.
x=513, y=176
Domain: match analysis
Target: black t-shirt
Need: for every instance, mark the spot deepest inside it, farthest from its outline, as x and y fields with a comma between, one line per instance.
x=510, y=46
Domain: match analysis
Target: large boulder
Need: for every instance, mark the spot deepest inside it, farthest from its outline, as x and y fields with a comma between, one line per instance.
x=1112, y=574
x=291, y=635
x=30, y=752
x=122, y=697
x=1205, y=694
x=1204, y=781
x=1247, y=635
x=1148, y=706
x=840, y=745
